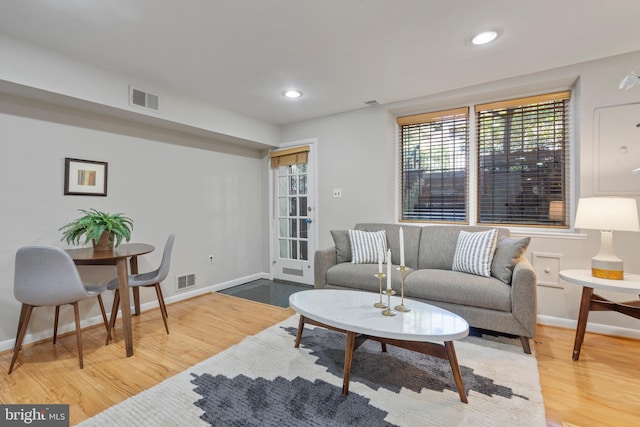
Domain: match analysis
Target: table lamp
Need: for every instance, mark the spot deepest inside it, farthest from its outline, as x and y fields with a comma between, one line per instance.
x=607, y=214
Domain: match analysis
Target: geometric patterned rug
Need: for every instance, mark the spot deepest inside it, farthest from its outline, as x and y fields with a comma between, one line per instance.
x=265, y=381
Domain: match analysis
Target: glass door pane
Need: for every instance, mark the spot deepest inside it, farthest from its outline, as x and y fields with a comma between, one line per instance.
x=292, y=211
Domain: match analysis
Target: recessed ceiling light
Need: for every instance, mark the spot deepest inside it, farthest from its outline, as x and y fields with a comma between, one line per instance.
x=292, y=93
x=484, y=37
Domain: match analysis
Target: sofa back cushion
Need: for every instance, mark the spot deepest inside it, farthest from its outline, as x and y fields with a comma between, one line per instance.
x=411, y=241
x=438, y=244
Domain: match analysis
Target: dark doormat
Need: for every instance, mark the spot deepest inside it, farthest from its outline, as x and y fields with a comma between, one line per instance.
x=267, y=291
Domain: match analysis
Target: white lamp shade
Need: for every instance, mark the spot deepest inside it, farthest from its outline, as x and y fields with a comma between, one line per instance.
x=607, y=213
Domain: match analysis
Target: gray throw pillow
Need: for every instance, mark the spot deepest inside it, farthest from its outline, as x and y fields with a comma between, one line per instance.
x=342, y=244
x=508, y=253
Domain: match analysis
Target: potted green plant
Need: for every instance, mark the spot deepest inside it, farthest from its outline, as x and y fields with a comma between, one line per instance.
x=105, y=230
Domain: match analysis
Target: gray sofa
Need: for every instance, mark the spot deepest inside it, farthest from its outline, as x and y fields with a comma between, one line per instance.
x=504, y=303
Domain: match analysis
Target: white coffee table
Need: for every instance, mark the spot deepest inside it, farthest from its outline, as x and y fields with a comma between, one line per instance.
x=425, y=329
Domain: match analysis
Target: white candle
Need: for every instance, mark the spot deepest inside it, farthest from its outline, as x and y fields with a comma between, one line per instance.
x=389, y=269
x=401, y=247
x=380, y=257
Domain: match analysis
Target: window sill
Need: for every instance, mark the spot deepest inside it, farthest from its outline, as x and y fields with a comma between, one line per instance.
x=548, y=234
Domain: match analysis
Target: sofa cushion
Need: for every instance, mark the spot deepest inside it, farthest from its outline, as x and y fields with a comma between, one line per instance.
x=458, y=288
x=508, y=253
x=361, y=276
x=367, y=247
x=474, y=252
x=343, y=245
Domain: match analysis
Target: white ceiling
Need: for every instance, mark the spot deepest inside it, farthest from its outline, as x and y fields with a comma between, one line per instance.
x=241, y=54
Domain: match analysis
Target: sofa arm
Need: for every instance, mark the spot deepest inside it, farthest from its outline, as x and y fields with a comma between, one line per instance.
x=524, y=295
x=322, y=261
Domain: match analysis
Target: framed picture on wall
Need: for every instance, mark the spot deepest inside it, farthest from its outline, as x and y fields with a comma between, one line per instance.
x=85, y=177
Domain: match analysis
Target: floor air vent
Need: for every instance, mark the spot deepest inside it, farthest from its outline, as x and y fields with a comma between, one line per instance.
x=186, y=281
x=144, y=99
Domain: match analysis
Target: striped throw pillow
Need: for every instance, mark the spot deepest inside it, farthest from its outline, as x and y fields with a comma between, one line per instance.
x=474, y=252
x=365, y=246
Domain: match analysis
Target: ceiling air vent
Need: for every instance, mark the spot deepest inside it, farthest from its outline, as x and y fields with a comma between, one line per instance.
x=144, y=99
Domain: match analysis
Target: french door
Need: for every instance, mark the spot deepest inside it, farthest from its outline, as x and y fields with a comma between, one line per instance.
x=293, y=214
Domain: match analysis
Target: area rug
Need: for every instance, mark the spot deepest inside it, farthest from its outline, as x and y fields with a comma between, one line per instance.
x=265, y=381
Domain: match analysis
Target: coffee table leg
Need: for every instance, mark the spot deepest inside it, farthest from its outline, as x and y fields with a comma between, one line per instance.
x=583, y=316
x=455, y=368
x=348, y=359
x=300, y=328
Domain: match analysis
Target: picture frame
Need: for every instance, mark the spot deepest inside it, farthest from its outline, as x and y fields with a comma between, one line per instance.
x=85, y=177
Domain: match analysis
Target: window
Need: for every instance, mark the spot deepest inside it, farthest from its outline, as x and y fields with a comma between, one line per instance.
x=523, y=160
x=521, y=149
x=434, y=165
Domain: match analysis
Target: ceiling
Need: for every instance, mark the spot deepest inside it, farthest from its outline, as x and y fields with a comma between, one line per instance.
x=242, y=54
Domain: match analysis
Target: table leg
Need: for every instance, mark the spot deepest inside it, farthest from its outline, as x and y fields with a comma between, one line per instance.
x=348, y=359
x=133, y=263
x=125, y=307
x=583, y=316
x=300, y=328
x=455, y=368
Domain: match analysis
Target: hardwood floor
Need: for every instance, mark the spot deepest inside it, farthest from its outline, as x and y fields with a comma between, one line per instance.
x=199, y=328
x=602, y=389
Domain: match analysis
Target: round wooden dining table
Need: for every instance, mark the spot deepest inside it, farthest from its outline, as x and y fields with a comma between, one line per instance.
x=118, y=257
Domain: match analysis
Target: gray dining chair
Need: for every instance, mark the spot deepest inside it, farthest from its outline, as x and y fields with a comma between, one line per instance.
x=150, y=279
x=47, y=276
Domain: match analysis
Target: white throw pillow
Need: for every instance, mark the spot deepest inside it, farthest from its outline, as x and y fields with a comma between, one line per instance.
x=474, y=252
x=365, y=246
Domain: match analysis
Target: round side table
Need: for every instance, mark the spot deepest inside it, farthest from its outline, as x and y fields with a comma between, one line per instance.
x=592, y=302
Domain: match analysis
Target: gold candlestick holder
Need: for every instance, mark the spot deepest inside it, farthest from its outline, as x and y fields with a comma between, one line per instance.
x=380, y=304
x=388, y=311
x=402, y=308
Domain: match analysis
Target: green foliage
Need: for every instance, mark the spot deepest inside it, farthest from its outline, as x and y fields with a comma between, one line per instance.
x=93, y=223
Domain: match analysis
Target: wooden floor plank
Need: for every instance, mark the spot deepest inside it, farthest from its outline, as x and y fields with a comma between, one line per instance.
x=602, y=388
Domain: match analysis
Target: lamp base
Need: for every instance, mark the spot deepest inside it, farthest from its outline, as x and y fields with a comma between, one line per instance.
x=607, y=269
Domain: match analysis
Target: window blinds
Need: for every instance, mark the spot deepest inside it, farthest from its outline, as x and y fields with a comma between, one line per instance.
x=523, y=160
x=434, y=165
x=290, y=156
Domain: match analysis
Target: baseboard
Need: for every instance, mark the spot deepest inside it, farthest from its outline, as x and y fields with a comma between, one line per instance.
x=95, y=320
x=597, y=328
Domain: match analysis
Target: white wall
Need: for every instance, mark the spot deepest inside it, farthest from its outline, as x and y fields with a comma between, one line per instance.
x=29, y=66
x=168, y=183
x=357, y=152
